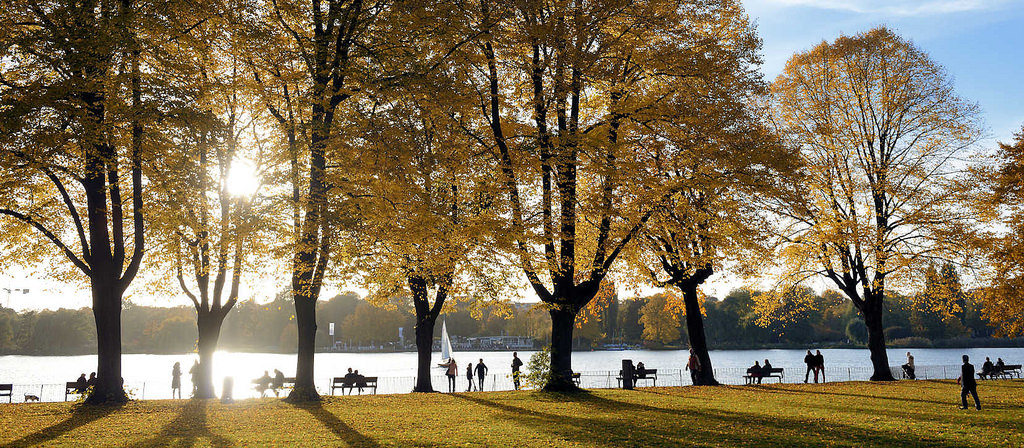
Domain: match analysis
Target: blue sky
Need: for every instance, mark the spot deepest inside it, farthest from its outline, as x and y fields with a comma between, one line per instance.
x=980, y=43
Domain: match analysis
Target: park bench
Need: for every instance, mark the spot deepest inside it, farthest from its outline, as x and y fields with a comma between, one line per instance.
x=649, y=374
x=1007, y=371
x=576, y=378
x=288, y=383
x=71, y=389
x=340, y=382
x=774, y=372
x=5, y=391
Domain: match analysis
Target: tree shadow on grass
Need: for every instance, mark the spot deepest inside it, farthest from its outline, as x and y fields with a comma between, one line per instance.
x=654, y=426
x=774, y=390
x=187, y=429
x=339, y=428
x=80, y=416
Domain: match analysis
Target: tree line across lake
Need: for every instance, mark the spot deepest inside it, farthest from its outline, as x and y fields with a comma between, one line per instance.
x=454, y=152
x=650, y=322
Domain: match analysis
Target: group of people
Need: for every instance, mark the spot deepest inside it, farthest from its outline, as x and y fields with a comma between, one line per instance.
x=815, y=363
x=480, y=370
x=757, y=372
x=176, y=378
x=274, y=384
x=83, y=384
x=988, y=369
x=354, y=379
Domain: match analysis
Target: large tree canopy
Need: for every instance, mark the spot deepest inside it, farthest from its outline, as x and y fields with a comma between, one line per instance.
x=883, y=135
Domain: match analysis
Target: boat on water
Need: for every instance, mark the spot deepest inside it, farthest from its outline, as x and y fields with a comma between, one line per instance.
x=446, y=346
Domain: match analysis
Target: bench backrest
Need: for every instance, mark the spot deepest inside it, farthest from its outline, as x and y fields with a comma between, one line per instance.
x=72, y=385
x=346, y=382
x=1012, y=367
x=775, y=370
x=6, y=387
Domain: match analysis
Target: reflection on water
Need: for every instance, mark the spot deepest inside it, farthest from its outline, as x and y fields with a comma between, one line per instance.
x=150, y=375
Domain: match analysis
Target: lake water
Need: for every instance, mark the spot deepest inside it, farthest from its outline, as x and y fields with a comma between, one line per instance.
x=149, y=376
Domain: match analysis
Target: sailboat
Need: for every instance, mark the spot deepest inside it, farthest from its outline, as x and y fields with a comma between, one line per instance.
x=446, y=346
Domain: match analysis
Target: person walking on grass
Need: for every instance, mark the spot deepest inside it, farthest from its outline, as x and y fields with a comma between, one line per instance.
x=469, y=377
x=176, y=380
x=516, y=364
x=819, y=366
x=451, y=373
x=693, y=365
x=968, y=385
x=810, y=360
x=481, y=371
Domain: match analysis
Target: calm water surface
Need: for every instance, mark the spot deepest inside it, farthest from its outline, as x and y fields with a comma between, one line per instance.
x=149, y=376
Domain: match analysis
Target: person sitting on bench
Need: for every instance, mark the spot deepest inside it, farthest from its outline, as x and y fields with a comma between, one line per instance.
x=81, y=385
x=641, y=371
x=262, y=383
x=755, y=372
x=987, y=368
x=277, y=383
x=1000, y=364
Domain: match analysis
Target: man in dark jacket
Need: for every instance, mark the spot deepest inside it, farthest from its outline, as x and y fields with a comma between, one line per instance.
x=809, y=360
x=968, y=385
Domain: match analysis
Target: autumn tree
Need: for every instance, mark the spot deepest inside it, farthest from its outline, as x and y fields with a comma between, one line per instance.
x=425, y=216
x=1001, y=300
x=78, y=109
x=206, y=209
x=882, y=133
x=579, y=100
x=309, y=59
x=659, y=317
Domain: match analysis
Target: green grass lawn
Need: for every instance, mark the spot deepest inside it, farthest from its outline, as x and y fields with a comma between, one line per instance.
x=856, y=414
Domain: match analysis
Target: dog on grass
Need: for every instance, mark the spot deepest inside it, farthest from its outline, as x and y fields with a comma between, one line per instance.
x=30, y=397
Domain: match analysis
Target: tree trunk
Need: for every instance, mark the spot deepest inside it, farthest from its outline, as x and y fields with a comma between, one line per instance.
x=305, y=320
x=106, y=309
x=424, y=342
x=209, y=324
x=872, y=313
x=563, y=320
x=695, y=331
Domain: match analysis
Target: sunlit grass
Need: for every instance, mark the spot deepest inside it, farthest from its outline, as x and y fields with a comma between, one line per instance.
x=921, y=413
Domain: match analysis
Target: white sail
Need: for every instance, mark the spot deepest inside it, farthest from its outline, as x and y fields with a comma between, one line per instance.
x=446, y=344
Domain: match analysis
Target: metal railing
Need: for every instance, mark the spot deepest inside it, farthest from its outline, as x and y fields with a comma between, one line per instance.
x=603, y=379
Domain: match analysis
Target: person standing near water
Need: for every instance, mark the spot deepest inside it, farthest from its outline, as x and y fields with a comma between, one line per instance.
x=968, y=385
x=819, y=366
x=176, y=380
x=812, y=366
x=693, y=365
x=193, y=372
x=516, y=364
x=481, y=371
x=453, y=371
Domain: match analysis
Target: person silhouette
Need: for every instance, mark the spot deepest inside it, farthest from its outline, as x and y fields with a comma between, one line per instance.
x=516, y=364
x=481, y=371
x=968, y=385
x=176, y=380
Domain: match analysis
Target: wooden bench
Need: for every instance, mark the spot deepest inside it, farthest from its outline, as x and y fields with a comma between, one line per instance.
x=649, y=374
x=774, y=372
x=340, y=382
x=576, y=378
x=5, y=391
x=1007, y=371
x=287, y=383
x=71, y=389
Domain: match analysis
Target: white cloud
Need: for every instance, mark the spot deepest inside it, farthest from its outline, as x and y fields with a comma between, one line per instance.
x=896, y=7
